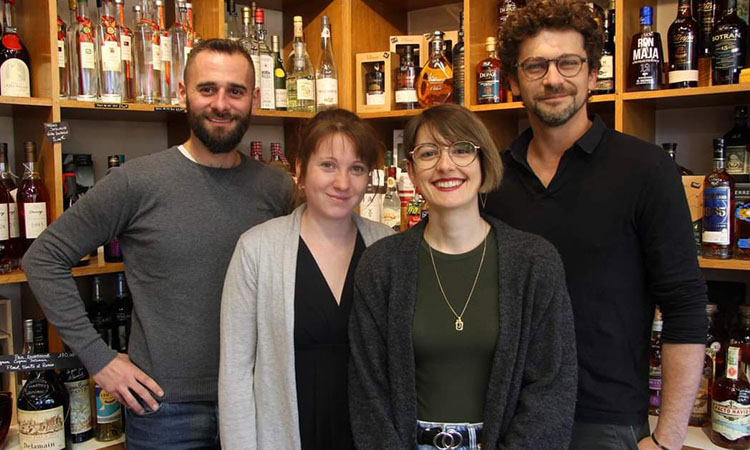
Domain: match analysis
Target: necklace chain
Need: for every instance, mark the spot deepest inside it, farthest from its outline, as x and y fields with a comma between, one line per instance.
x=459, y=317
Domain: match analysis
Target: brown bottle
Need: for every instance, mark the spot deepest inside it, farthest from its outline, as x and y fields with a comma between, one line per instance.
x=489, y=76
x=504, y=9
x=33, y=199
x=683, y=48
x=646, y=69
x=730, y=406
x=718, y=205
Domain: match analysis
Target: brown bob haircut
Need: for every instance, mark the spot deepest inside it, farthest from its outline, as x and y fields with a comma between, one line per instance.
x=224, y=46
x=328, y=123
x=453, y=123
x=560, y=15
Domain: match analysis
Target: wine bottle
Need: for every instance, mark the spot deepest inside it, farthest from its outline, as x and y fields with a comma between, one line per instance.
x=326, y=77
x=112, y=251
x=121, y=316
x=76, y=382
x=15, y=62
x=62, y=58
x=279, y=77
x=110, y=65
x=88, y=74
x=32, y=199
x=7, y=179
x=300, y=79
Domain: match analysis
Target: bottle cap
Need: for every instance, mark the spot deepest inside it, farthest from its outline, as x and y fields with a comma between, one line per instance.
x=296, y=19
x=245, y=14
x=647, y=15
x=259, y=15
x=491, y=44
x=29, y=150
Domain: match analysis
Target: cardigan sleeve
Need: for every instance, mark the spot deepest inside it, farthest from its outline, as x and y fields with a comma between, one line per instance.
x=543, y=419
x=237, y=352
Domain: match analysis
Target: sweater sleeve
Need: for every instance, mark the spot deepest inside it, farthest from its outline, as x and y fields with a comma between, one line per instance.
x=671, y=263
x=543, y=418
x=93, y=220
x=237, y=352
x=373, y=422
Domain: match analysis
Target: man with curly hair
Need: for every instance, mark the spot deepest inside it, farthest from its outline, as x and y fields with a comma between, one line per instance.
x=614, y=207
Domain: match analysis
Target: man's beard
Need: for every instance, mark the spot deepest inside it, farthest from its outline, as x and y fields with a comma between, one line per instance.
x=219, y=141
x=555, y=118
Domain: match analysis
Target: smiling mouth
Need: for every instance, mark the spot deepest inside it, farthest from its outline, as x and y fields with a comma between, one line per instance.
x=220, y=120
x=448, y=184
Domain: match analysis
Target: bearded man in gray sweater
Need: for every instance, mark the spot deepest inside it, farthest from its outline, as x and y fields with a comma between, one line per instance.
x=177, y=214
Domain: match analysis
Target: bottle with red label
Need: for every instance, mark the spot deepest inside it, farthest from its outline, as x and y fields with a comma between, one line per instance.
x=15, y=62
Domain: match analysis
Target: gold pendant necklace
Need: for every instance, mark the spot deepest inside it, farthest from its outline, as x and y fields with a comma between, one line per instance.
x=459, y=317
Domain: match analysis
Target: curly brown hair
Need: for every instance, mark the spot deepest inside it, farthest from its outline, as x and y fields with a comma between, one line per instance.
x=550, y=14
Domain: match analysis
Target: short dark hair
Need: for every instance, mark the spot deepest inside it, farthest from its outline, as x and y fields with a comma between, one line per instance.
x=225, y=46
x=539, y=15
x=455, y=123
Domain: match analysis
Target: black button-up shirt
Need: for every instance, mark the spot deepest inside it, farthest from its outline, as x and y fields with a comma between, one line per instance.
x=617, y=213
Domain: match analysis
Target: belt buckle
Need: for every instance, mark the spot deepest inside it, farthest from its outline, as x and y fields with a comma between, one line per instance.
x=446, y=440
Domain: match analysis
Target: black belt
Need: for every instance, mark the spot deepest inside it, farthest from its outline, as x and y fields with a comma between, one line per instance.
x=445, y=438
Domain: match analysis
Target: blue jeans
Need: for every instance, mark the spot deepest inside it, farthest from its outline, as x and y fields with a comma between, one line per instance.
x=470, y=428
x=174, y=426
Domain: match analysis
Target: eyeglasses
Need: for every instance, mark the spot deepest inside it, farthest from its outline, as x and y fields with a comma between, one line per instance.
x=536, y=67
x=462, y=153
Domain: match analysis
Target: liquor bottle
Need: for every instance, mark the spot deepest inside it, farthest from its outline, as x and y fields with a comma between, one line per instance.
x=71, y=47
x=457, y=61
x=718, y=202
x=70, y=185
x=728, y=46
x=489, y=76
x=742, y=224
x=682, y=41
x=730, y=406
x=76, y=382
x=62, y=58
x=146, y=58
x=414, y=210
x=654, y=366
x=435, y=83
x=28, y=347
x=15, y=62
x=326, y=77
x=165, y=55
x=256, y=151
x=99, y=313
x=375, y=81
x=279, y=77
x=504, y=9
x=88, y=73
x=196, y=38
x=740, y=337
x=706, y=13
x=671, y=149
x=112, y=250
x=300, y=79
x=178, y=34
x=32, y=199
x=126, y=51
x=605, y=81
x=646, y=70
x=277, y=158
x=391, y=209
x=6, y=250
x=371, y=204
x=406, y=81
x=111, y=56
x=121, y=315
x=266, y=63
x=712, y=363
x=233, y=30
x=736, y=141
x=7, y=179
x=250, y=43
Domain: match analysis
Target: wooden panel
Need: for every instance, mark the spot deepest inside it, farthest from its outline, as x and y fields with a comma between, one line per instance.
x=97, y=266
x=480, y=22
x=208, y=18
x=409, y=5
x=636, y=119
x=37, y=27
x=726, y=264
x=503, y=128
x=735, y=94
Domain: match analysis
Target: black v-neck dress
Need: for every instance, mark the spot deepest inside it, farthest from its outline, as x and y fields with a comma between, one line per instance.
x=321, y=351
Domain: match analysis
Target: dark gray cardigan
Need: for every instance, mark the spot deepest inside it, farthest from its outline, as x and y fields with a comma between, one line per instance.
x=532, y=392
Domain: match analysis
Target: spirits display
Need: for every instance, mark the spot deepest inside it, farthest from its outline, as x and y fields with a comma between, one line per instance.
x=489, y=76
x=504, y=9
x=8, y=182
x=165, y=55
x=435, y=83
x=728, y=46
x=43, y=403
x=671, y=149
x=646, y=70
x=32, y=199
x=121, y=315
x=605, y=81
x=250, y=43
x=88, y=72
x=682, y=42
x=181, y=47
x=718, y=200
x=706, y=13
x=15, y=62
x=736, y=143
x=62, y=58
x=146, y=57
x=76, y=382
x=326, y=77
x=111, y=58
x=654, y=366
x=279, y=77
x=741, y=218
x=126, y=51
x=458, y=63
x=406, y=81
x=375, y=80
x=730, y=406
x=265, y=63
x=300, y=80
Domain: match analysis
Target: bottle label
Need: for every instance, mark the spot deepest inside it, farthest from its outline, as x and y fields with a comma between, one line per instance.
x=730, y=419
x=4, y=222
x=267, y=92
x=736, y=158
x=156, y=56
x=305, y=89
x=60, y=53
x=111, y=57
x=406, y=96
x=35, y=219
x=488, y=88
x=727, y=45
x=126, y=47
x=15, y=229
x=607, y=68
x=743, y=244
x=716, y=215
x=375, y=99
x=41, y=429
x=681, y=76
x=87, y=55
x=370, y=207
x=107, y=408
x=391, y=216
x=188, y=49
x=328, y=91
x=14, y=78
x=165, y=49
x=682, y=62
x=80, y=406
x=280, y=98
x=647, y=59
x=657, y=325
x=325, y=32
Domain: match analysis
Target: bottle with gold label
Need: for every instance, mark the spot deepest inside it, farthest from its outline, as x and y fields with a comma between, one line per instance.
x=435, y=83
x=300, y=78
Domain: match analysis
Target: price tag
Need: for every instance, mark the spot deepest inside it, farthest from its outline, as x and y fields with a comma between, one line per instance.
x=44, y=361
x=111, y=105
x=56, y=131
x=169, y=109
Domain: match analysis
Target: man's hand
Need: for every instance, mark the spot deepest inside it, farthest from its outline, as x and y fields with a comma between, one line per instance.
x=122, y=378
x=647, y=444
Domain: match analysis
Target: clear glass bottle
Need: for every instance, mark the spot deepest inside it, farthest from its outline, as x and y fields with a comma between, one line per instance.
x=279, y=77
x=266, y=63
x=178, y=34
x=326, y=76
x=146, y=57
x=196, y=38
x=435, y=83
x=250, y=43
x=300, y=80
x=458, y=64
x=165, y=55
x=15, y=62
x=646, y=69
x=72, y=50
x=111, y=57
x=33, y=199
x=126, y=51
x=62, y=58
x=88, y=71
x=391, y=209
x=233, y=30
x=490, y=76
x=406, y=81
x=718, y=204
x=728, y=46
x=682, y=42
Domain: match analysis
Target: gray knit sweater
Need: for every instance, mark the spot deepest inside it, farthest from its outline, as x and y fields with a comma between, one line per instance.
x=177, y=223
x=532, y=389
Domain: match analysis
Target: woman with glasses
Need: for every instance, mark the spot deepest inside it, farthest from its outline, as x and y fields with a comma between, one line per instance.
x=461, y=332
x=287, y=298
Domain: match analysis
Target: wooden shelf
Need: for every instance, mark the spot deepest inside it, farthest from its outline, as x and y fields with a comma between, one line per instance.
x=97, y=266
x=724, y=264
x=282, y=114
x=100, y=106
x=517, y=106
x=25, y=101
x=733, y=94
x=408, y=5
x=397, y=114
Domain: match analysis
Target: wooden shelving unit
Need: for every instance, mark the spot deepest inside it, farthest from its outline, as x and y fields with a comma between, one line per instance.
x=724, y=264
x=96, y=266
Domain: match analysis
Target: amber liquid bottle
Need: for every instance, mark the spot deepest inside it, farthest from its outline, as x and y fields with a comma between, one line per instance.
x=730, y=406
x=406, y=81
x=718, y=205
x=489, y=76
x=33, y=199
x=435, y=85
x=682, y=41
x=646, y=70
x=729, y=46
